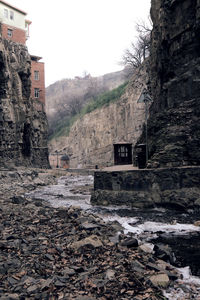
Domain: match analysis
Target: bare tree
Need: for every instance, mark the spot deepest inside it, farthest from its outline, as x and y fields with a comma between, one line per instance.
x=144, y=27
x=75, y=105
x=92, y=89
x=139, y=50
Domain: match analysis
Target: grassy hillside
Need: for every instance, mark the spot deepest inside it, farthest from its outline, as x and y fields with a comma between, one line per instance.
x=63, y=126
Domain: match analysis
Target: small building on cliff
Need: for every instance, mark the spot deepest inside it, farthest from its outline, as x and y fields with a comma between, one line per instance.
x=15, y=27
x=37, y=79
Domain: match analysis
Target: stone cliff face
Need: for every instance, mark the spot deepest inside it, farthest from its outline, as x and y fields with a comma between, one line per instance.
x=61, y=92
x=174, y=128
x=91, y=138
x=66, y=97
x=23, y=123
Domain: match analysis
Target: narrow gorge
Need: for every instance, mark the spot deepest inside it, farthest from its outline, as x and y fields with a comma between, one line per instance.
x=91, y=138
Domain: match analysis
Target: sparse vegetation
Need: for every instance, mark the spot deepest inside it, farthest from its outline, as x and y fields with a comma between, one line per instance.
x=104, y=99
x=139, y=49
x=62, y=127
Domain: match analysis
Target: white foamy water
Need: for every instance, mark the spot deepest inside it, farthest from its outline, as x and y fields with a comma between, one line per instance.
x=129, y=225
x=64, y=193
x=191, y=287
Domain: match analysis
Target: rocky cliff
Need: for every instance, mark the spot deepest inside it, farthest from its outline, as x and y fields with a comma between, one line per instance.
x=23, y=123
x=174, y=128
x=91, y=138
x=67, y=95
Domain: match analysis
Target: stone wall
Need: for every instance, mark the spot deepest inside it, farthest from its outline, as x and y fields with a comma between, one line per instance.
x=174, y=127
x=163, y=187
x=91, y=138
x=23, y=129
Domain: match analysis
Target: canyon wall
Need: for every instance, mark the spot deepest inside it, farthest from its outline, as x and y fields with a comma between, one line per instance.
x=91, y=138
x=61, y=93
x=174, y=127
x=23, y=123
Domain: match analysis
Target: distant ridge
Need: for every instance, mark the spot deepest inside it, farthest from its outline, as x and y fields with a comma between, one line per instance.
x=67, y=94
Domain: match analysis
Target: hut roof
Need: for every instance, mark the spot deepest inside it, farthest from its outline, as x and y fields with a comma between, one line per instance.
x=65, y=157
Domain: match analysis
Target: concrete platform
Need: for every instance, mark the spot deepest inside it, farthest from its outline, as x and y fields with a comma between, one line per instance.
x=120, y=168
x=126, y=185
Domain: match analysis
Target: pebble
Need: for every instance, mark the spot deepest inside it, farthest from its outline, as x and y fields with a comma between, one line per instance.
x=64, y=253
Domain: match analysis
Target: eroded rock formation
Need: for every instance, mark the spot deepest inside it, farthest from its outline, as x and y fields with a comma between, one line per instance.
x=80, y=89
x=23, y=123
x=174, y=128
x=91, y=138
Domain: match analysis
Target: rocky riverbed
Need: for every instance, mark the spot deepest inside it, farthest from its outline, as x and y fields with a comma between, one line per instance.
x=68, y=253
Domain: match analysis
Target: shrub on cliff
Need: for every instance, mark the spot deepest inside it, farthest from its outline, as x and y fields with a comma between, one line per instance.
x=104, y=99
x=63, y=126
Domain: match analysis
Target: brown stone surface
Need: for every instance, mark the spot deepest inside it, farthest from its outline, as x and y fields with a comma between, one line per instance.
x=173, y=127
x=91, y=138
x=23, y=128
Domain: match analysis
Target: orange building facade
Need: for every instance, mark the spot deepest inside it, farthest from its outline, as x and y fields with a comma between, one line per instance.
x=37, y=79
x=15, y=27
x=12, y=33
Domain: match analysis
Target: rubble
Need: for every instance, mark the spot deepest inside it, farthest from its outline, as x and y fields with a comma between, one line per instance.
x=66, y=253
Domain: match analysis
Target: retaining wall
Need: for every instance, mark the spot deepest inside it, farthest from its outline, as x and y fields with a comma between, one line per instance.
x=174, y=187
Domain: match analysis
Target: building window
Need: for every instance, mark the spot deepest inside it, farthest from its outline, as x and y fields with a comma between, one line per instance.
x=11, y=15
x=122, y=154
x=10, y=33
x=37, y=93
x=5, y=13
x=36, y=75
x=123, y=151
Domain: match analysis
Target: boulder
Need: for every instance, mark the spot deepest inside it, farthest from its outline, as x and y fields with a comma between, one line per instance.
x=92, y=240
x=160, y=280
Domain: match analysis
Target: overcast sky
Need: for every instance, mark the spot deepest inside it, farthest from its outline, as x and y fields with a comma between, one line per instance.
x=74, y=36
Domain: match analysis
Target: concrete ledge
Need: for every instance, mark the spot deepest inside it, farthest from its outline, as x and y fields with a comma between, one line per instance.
x=81, y=171
x=174, y=187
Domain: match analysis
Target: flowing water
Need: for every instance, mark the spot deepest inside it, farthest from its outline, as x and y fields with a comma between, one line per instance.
x=168, y=227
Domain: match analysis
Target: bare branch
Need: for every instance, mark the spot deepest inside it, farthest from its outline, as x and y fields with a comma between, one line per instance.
x=139, y=49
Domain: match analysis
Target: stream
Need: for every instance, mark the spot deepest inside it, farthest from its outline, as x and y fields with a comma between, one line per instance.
x=175, y=229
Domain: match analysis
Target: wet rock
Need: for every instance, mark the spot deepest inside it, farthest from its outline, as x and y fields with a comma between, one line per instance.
x=62, y=213
x=12, y=281
x=116, y=226
x=114, y=239
x=92, y=240
x=18, y=200
x=160, y=280
x=110, y=274
x=32, y=289
x=49, y=257
x=197, y=223
x=10, y=297
x=59, y=284
x=163, y=252
x=148, y=248
x=68, y=271
x=130, y=242
x=46, y=283
x=89, y=226
x=85, y=298
x=138, y=267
